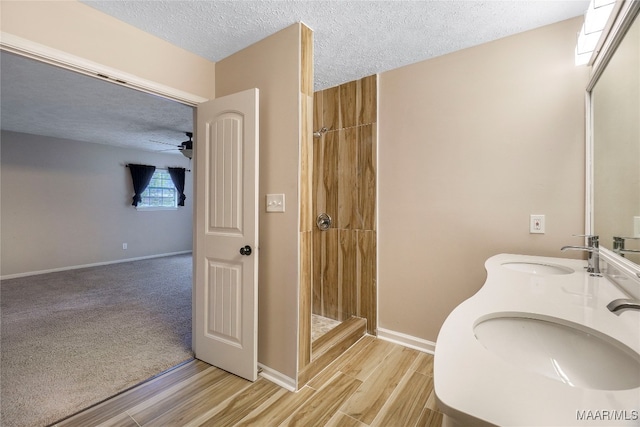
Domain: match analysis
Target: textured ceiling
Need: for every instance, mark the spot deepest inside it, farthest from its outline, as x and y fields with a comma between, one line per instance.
x=41, y=99
x=352, y=39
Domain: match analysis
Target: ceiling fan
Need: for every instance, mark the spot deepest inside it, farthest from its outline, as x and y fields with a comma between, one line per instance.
x=186, y=147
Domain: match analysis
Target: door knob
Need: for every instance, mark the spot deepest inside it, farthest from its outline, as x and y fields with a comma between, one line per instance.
x=245, y=250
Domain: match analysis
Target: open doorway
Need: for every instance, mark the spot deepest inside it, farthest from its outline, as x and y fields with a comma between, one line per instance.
x=66, y=203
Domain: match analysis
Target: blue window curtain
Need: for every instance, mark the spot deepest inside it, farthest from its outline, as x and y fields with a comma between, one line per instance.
x=141, y=176
x=177, y=176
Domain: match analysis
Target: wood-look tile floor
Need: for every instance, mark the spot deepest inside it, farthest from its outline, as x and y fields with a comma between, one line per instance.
x=374, y=383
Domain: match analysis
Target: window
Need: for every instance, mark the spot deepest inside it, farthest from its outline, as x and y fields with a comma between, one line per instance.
x=161, y=193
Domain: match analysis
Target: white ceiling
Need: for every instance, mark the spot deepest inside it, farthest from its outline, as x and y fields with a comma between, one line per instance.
x=352, y=39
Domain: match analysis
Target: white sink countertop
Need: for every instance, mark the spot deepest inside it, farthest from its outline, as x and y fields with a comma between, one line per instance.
x=476, y=386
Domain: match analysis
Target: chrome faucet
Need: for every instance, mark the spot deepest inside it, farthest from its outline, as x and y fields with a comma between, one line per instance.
x=618, y=246
x=593, y=257
x=617, y=306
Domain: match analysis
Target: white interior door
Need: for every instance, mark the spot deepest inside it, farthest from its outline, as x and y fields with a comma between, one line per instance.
x=225, y=300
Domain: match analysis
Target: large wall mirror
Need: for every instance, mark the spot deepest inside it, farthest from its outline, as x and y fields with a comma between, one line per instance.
x=615, y=135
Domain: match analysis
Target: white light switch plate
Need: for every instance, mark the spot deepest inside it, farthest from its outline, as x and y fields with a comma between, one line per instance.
x=536, y=224
x=636, y=226
x=275, y=202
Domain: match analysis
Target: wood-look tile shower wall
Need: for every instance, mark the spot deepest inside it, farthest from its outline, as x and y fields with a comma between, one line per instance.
x=344, y=186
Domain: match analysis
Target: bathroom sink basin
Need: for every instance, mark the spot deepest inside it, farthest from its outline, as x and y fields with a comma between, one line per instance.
x=560, y=352
x=537, y=268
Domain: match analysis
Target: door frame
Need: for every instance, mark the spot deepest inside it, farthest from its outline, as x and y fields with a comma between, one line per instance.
x=27, y=48
x=39, y=52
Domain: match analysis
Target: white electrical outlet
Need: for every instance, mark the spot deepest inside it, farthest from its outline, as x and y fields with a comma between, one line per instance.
x=536, y=224
x=124, y=246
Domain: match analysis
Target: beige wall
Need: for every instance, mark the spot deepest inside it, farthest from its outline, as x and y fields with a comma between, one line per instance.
x=80, y=30
x=273, y=66
x=471, y=144
x=68, y=203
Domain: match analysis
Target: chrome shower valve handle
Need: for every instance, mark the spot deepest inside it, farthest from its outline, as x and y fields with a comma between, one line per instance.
x=323, y=221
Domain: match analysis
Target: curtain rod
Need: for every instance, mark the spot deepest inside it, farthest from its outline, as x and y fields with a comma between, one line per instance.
x=164, y=169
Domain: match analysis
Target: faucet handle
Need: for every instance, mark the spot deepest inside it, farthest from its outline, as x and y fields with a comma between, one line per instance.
x=619, y=245
x=592, y=239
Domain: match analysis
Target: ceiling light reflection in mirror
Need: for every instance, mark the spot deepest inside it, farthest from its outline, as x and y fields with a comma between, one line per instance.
x=595, y=20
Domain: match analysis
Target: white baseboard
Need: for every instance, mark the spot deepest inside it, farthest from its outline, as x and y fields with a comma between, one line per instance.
x=95, y=264
x=407, y=340
x=384, y=334
x=277, y=378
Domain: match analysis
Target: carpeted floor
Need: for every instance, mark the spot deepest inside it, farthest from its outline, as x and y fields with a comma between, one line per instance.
x=71, y=339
